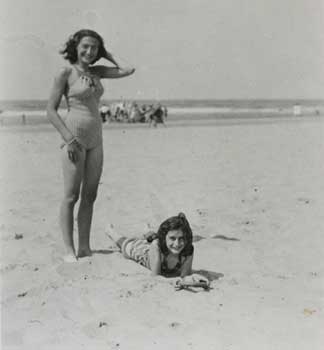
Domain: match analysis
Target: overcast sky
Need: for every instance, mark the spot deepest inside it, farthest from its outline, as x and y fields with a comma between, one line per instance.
x=181, y=48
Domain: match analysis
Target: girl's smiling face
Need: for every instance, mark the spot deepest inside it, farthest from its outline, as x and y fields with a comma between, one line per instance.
x=175, y=241
x=87, y=50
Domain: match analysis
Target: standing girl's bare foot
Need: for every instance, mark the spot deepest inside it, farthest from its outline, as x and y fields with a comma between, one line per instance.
x=84, y=252
x=70, y=258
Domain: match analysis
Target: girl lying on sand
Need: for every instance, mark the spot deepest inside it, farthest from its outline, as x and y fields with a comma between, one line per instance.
x=169, y=252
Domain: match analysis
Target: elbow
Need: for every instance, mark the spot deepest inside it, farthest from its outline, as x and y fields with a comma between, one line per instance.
x=127, y=71
x=50, y=111
x=49, y=114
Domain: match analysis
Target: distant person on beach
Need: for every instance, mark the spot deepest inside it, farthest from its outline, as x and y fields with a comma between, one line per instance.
x=169, y=252
x=157, y=115
x=135, y=114
x=165, y=112
x=104, y=112
x=81, y=131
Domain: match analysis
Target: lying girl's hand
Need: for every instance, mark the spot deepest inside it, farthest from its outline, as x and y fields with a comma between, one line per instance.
x=73, y=150
x=194, y=280
x=199, y=278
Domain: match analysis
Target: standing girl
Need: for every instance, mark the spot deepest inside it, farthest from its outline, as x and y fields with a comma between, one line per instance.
x=81, y=131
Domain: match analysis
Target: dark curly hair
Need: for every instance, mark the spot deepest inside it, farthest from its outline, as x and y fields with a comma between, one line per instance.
x=178, y=222
x=69, y=51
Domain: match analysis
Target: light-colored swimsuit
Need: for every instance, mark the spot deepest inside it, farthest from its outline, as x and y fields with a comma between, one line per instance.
x=83, y=118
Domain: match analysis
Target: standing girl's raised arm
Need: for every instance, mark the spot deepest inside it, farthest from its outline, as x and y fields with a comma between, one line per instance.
x=112, y=72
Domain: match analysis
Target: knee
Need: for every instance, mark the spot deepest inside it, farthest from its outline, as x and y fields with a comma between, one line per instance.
x=71, y=198
x=89, y=196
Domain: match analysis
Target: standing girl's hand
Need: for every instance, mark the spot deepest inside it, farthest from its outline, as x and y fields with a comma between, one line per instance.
x=73, y=149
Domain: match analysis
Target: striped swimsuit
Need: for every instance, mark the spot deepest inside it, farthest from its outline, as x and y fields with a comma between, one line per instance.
x=137, y=249
x=83, y=118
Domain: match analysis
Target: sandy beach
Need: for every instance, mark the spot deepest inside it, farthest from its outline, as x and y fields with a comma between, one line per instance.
x=253, y=193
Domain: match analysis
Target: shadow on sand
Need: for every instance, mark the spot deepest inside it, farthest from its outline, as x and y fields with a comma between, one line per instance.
x=225, y=238
x=103, y=251
x=197, y=238
x=211, y=275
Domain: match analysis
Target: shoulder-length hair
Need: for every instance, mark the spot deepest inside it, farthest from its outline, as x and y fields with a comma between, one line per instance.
x=178, y=222
x=69, y=51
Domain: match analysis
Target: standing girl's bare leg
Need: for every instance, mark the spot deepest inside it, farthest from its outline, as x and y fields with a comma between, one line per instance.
x=91, y=177
x=72, y=175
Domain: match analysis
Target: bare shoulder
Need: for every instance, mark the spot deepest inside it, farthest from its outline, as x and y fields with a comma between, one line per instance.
x=63, y=73
x=155, y=246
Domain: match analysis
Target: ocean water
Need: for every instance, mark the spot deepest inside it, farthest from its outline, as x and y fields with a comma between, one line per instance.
x=12, y=111
x=36, y=105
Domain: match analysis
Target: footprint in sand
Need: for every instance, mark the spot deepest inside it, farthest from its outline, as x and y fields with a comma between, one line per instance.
x=202, y=212
x=247, y=223
x=304, y=200
x=126, y=294
x=8, y=268
x=174, y=324
x=147, y=287
x=95, y=330
x=313, y=274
